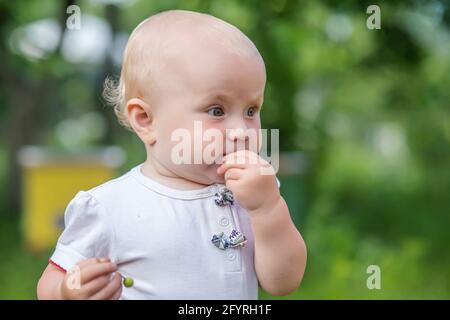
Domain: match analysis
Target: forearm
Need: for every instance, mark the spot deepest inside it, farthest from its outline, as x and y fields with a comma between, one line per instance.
x=280, y=252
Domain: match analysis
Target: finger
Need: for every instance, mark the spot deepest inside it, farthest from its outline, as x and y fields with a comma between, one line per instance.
x=117, y=294
x=96, y=285
x=228, y=165
x=93, y=271
x=233, y=174
x=243, y=160
x=244, y=156
x=233, y=161
x=110, y=289
x=242, y=153
x=238, y=157
x=116, y=288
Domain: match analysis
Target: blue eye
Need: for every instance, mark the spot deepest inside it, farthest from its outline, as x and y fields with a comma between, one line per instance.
x=216, y=111
x=251, y=112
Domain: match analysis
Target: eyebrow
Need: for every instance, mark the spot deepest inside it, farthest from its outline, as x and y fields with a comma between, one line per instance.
x=257, y=99
x=216, y=95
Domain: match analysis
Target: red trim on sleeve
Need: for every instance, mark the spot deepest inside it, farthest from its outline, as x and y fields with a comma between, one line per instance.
x=56, y=265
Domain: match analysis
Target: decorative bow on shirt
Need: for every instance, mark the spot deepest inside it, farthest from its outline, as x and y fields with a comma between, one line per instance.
x=235, y=239
x=224, y=197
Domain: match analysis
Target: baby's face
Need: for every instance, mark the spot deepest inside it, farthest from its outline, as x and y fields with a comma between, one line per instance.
x=201, y=88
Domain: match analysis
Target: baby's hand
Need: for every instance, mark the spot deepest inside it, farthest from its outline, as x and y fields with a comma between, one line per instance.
x=251, y=179
x=91, y=279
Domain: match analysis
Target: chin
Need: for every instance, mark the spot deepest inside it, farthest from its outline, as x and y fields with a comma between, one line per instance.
x=206, y=176
x=212, y=179
x=211, y=174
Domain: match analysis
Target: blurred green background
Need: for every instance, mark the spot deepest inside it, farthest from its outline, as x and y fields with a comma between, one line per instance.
x=367, y=112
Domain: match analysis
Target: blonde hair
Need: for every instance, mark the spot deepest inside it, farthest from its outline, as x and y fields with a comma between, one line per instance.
x=114, y=95
x=117, y=92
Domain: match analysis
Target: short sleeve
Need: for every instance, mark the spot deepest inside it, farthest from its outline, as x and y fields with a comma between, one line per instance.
x=86, y=233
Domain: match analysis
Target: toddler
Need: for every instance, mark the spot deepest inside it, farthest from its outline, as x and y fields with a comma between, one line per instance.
x=183, y=229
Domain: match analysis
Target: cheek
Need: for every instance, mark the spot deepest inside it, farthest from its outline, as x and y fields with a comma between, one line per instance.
x=254, y=124
x=170, y=122
x=259, y=137
x=211, y=125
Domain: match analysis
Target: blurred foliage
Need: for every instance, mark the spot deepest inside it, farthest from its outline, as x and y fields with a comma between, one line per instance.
x=368, y=108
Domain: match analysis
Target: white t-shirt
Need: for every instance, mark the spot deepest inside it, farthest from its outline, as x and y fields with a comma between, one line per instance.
x=160, y=237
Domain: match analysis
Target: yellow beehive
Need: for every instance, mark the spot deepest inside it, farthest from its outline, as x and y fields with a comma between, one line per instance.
x=50, y=181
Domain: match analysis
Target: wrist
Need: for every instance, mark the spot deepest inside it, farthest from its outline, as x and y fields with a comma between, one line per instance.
x=272, y=224
x=268, y=207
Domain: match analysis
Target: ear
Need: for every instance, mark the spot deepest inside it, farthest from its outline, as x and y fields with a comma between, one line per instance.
x=140, y=117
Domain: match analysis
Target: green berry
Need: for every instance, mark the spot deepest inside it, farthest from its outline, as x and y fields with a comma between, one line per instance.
x=128, y=282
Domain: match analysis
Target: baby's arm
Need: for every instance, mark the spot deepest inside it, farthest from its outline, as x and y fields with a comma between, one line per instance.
x=280, y=252
x=92, y=280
